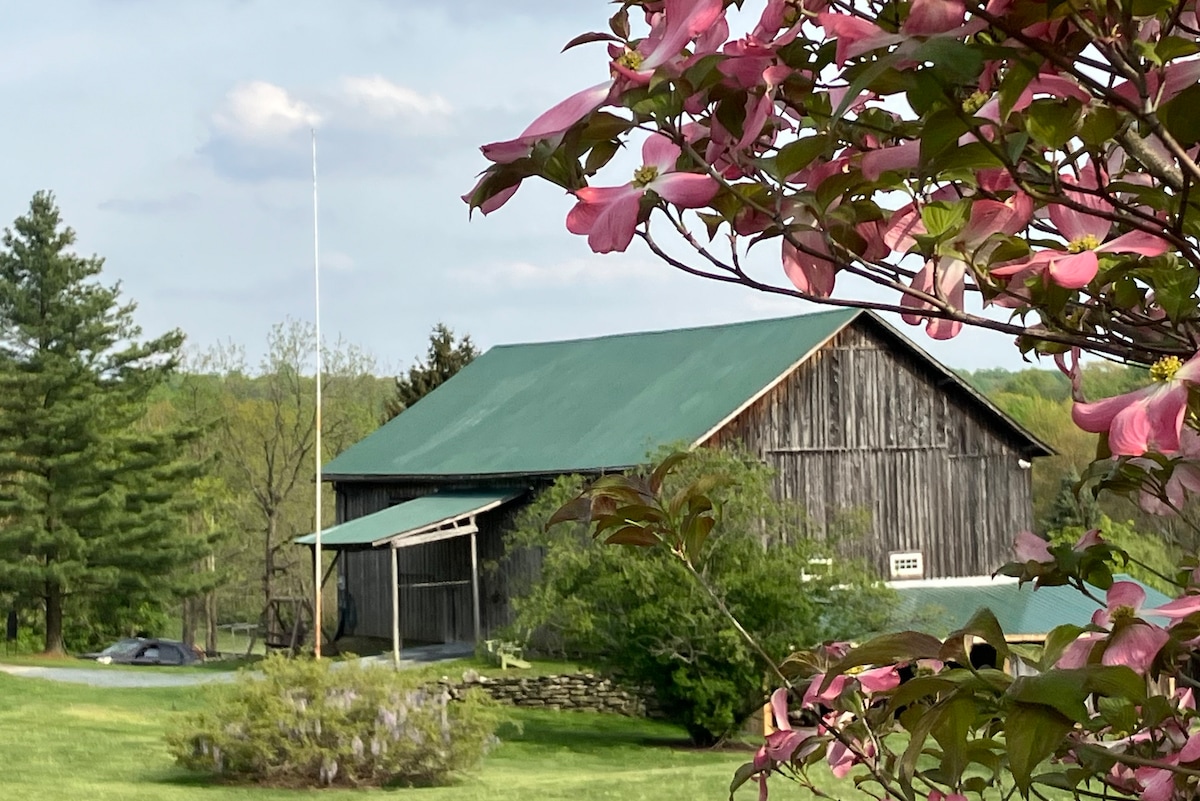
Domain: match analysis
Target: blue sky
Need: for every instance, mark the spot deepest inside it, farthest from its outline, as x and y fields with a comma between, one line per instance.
x=176, y=138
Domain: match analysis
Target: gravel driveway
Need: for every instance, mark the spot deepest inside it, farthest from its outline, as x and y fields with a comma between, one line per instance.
x=135, y=678
x=116, y=678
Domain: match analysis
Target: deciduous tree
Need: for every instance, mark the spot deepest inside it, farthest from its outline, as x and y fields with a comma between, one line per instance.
x=642, y=615
x=265, y=438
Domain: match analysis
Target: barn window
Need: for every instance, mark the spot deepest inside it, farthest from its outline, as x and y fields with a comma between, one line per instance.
x=907, y=565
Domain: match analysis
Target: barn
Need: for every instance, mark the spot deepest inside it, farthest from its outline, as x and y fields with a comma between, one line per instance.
x=849, y=413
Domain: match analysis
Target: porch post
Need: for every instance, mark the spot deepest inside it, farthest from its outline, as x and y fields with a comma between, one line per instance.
x=395, y=606
x=475, y=582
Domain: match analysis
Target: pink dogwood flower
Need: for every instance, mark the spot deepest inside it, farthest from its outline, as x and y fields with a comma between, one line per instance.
x=784, y=744
x=898, y=157
x=1183, y=482
x=842, y=758
x=680, y=22
x=934, y=16
x=1074, y=266
x=608, y=215
x=1147, y=419
x=1178, y=609
x=1029, y=547
x=1054, y=86
x=807, y=259
x=1163, y=84
x=944, y=277
x=550, y=125
x=854, y=36
x=874, y=680
x=1132, y=642
x=810, y=267
x=938, y=795
x=1158, y=783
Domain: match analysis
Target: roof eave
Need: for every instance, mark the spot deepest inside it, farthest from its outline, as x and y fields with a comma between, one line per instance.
x=444, y=477
x=729, y=418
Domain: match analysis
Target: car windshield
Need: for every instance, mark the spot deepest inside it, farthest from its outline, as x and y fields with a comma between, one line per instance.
x=122, y=647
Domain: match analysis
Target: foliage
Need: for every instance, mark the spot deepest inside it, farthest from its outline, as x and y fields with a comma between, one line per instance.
x=1033, y=399
x=68, y=741
x=262, y=437
x=1049, y=384
x=1072, y=508
x=444, y=358
x=92, y=497
x=317, y=723
x=1032, y=157
x=641, y=614
x=1151, y=560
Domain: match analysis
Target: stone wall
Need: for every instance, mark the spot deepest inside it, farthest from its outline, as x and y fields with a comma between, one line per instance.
x=584, y=692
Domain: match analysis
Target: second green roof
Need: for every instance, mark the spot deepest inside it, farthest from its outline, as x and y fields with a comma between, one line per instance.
x=431, y=513
x=943, y=605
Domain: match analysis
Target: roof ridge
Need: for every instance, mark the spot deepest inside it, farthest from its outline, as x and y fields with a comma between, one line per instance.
x=850, y=312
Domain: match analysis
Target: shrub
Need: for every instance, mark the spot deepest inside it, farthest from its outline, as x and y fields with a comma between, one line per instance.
x=638, y=612
x=318, y=723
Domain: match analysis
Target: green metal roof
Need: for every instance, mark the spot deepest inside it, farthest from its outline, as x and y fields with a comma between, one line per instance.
x=409, y=520
x=589, y=404
x=1021, y=610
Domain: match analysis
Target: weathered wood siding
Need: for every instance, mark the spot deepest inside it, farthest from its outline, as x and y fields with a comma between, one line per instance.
x=435, y=578
x=863, y=425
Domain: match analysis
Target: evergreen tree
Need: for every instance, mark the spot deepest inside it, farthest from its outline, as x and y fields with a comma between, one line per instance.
x=1071, y=509
x=445, y=358
x=90, y=497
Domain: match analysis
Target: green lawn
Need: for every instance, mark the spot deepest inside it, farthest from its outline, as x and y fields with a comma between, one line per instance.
x=62, y=741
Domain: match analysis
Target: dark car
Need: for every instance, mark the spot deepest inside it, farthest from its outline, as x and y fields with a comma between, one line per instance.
x=145, y=651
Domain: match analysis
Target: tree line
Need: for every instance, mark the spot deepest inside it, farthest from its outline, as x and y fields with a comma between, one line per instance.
x=1064, y=507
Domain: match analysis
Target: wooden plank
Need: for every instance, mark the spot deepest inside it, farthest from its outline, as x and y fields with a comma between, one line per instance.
x=476, y=616
x=395, y=606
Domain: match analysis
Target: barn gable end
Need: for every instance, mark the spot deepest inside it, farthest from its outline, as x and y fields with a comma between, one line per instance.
x=870, y=423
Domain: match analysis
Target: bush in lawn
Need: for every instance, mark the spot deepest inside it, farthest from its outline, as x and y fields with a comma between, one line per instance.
x=640, y=614
x=314, y=723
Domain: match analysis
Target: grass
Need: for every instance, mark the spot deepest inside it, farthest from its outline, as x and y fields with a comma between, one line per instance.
x=67, y=741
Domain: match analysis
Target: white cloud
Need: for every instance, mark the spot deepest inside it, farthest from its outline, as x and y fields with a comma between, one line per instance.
x=259, y=111
x=366, y=126
x=576, y=272
x=381, y=98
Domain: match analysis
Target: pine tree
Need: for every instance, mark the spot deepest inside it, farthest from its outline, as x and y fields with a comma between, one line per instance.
x=445, y=358
x=90, y=497
x=1072, y=509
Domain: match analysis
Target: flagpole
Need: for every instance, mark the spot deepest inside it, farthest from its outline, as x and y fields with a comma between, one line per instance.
x=317, y=443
